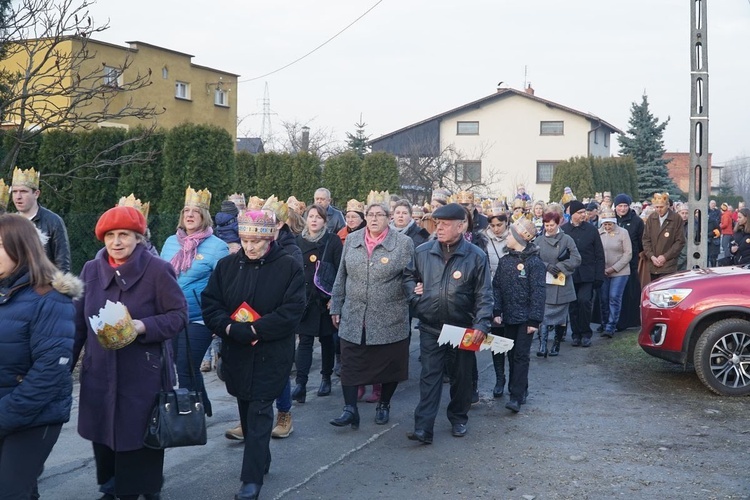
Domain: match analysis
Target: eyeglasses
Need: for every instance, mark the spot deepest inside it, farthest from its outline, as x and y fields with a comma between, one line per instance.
x=375, y=216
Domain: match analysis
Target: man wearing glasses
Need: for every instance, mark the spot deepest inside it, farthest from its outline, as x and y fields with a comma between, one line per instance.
x=448, y=282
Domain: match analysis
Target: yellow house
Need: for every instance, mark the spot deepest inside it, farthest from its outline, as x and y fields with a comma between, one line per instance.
x=84, y=83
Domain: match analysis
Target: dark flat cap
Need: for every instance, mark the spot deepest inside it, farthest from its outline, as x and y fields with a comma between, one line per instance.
x=592, y=206
x=451, y=211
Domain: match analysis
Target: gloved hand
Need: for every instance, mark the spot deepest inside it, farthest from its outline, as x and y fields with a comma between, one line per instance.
x=553, y=270
x=598, y=284
x=242, y=333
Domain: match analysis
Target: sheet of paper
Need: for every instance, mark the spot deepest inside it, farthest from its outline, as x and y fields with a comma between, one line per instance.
x=455, y=335
x=551, y=280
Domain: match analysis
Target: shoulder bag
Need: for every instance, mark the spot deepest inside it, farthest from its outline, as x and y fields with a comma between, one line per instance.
x=325, y=272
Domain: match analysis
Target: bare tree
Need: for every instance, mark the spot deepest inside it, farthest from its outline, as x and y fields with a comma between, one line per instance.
x=320, y=141
x=737, y=174
x=56, y=81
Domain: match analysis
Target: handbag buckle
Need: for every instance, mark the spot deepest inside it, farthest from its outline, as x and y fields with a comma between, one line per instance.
x=184, y=401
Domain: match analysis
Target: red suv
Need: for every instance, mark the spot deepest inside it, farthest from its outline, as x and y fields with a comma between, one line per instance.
x=702, y=317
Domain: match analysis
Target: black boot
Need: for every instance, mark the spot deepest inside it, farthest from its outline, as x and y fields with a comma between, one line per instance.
x=559, y=333
x=349, y=416
x=498, y=361
x=382, y=413
x=299, y=393
x=249, y=491
x=325, y=386
x=543, y=333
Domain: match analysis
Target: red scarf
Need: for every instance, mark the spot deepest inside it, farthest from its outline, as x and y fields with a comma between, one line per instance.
x=372, y=241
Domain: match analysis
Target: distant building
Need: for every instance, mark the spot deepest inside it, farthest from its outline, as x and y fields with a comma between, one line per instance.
x=252, y=145
x=679, y=170
x=508, y=138
x=184, y=91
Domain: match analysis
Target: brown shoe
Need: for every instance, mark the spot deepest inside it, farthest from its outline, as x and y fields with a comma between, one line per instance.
x=235, y=434
x=206, y=366
x=283, y=425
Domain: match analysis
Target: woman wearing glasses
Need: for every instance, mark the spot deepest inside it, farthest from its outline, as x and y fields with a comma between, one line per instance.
x=371, y=311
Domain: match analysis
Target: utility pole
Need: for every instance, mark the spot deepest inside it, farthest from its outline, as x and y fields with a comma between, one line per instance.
x=699, y=187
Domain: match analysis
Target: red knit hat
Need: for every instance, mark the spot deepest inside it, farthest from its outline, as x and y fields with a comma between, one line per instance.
x=120, y=218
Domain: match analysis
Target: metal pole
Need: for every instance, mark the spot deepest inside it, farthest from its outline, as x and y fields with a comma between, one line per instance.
x=699, y=187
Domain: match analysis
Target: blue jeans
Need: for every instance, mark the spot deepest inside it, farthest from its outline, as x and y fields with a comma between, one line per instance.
x=200, y=339
x=610, y=301
x=284, y=401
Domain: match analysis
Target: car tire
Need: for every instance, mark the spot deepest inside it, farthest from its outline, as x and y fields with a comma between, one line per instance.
x=722, y=357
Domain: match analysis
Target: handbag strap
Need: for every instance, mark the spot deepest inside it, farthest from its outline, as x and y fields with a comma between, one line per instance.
x=325, y=248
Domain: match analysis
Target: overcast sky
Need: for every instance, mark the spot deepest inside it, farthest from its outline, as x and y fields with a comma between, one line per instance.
x=410, y=59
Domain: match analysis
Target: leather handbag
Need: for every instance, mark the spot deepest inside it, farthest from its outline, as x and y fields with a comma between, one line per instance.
x=325, y=272
x=178, y=417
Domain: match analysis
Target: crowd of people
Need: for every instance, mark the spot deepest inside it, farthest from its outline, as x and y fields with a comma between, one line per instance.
x=356, y=280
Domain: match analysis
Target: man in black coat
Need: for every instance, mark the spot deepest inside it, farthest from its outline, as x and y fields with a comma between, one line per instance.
x=588, y=277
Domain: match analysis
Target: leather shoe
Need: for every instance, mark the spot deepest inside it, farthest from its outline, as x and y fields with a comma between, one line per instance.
x=382, y=413
x=586, y=342
x=576, y=342
x=458, y=430
x=325, y=386
x=249, y=491
x=498, y=391
x=420, y=435
x=513, y=405
x=299, y=393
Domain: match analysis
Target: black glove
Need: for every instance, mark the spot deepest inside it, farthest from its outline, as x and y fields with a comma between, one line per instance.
x=598, y=284
x=553, y=270
x=242, y=333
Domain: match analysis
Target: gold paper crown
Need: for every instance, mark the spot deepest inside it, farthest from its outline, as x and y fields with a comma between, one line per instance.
x=200, y=199
x=441, y=194
x=607, y=213
x=258, y=223
x=417, y=211
x=355, y=206
x=378, y=197
x=296, y=205
x=660, y=198
x=487, y=207
x=28, y=178
x=239, y=200
x=464, y=197
x=525, y=228
x=132, y=201
x=279, y=208
x=518, y=203
x=4, y=194
x=598, y=197
x=497, y=207
x=255, y=203
x=427, y=208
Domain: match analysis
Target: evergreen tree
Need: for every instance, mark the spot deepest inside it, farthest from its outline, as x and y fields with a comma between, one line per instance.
x=379, y=172
x=357, y=142
x=644, y=143
x=341, y=176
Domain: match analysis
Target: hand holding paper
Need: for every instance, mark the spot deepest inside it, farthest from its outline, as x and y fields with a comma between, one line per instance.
x=467, y=339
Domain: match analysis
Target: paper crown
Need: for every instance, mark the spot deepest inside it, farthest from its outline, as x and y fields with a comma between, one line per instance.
x=464, y=197
x=257, y=223
x=200, y=199
x=378, y=197
x=661, y=198
x=132, y=201
x=497, y=207
x=441, y=194
x=238, y=199
x=487, y=207
x=426, y=209
x=525, y=228
x=255, y=203
x=518, y=203
x=4, y=194
x=355, y=206
x=279, y=208
x=417, y=211
x=608, y=215
x=598, y=197
x=28, y=178
x=296, y=205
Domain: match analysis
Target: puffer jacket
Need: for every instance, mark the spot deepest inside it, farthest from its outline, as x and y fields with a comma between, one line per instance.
x=519, y=287
x=457, y=293
x=36, y=349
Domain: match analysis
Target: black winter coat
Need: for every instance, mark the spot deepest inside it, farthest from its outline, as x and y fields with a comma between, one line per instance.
x=275, y=287
x=288, y=241
x=457, y=293
x=417, y=234
x=316, y=320
x=519, y=287
x=634, y=226
x=57, y=247
x=589, y=245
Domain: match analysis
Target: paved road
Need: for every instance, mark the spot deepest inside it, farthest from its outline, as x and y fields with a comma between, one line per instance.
x=585, y=433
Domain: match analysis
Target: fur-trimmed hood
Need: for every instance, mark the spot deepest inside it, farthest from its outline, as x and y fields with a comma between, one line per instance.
x=67, y=284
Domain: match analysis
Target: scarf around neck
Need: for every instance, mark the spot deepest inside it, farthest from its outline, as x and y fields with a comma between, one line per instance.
x=402, y=229
x=372, y=241
x=313, y=238
x=184, y=257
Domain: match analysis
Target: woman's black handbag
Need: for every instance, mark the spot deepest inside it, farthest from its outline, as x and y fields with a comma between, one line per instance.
x=563, y=255
x=178, y=417
x=325, y=272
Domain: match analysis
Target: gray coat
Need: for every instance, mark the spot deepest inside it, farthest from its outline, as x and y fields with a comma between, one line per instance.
x=549, y=249
x=369, y=290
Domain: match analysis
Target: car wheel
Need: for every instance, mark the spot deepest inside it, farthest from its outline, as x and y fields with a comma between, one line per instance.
x=722, y=357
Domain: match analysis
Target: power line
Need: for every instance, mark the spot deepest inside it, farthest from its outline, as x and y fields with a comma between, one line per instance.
x=316, y=48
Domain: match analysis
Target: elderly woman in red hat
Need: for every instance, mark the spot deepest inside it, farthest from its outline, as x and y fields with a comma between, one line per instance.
x=119, y=386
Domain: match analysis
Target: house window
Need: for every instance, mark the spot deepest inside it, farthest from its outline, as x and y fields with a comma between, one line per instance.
x=182, y=90
x=221, y=98
x=164, y=73
x=551, y=128
x=544, y=171
x=596, y=136
x=606, y=139
x=467, y=128
x=111, y=76
x=469, y=171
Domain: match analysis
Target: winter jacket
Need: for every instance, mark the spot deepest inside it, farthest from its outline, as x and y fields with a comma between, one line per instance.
x=457, y=293
x=496, y=248
x=727, y=223
x=335, y=220
x=194, y=280
x=667, y=240
x=317, y=301
x=519, y=287
x=742, y=255
x=36, y=352
x=57, y=246
x=274, y=286
x=550, y=248
x=634, y=226
x=288, y=241
x=226, y=228
x=369, y=291
x=586, y=238
x=417, y=234
x=118, y=387
x=479, y=221
x=617, y=251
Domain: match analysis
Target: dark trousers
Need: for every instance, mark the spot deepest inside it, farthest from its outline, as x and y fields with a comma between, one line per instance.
x=129, y=473
x=580, y=311
x=431, y=382
x=200, y=339
x=305, y=354
x=22, y=457
x=518, y=359
x=256, y=418
x=498, y=360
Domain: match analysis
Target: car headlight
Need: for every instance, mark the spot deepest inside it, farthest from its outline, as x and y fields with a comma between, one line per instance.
x=668, y=298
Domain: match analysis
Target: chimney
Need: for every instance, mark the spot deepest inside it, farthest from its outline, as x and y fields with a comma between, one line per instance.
x=305, y=146
x=529, y=89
